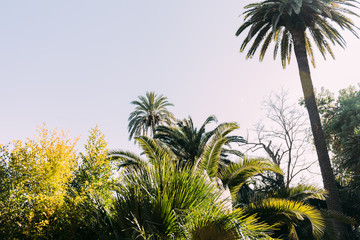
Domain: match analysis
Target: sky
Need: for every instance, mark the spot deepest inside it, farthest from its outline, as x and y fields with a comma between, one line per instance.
x=77, y=64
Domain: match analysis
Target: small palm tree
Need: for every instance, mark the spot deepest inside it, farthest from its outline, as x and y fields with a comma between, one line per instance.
x=150, y=111
x=184, y=139
x=290, y=24
x=188, y=142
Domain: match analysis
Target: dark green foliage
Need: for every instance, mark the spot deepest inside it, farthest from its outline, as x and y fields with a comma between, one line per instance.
x=341, y=119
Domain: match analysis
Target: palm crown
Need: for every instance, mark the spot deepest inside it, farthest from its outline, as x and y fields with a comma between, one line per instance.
x=279, y=20
x=150, y=111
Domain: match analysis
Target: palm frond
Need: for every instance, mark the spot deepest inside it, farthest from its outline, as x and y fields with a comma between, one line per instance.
x=288, y=212
x=153, y=150
x=300, y=193
x=237, y=174
x=126, y=159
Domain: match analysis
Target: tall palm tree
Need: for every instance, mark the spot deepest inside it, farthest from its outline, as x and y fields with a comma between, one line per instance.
x=150, y=111
x=290, y=23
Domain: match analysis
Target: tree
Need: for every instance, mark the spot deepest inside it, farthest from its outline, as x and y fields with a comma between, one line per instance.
x=90, y=194
x=48, y=191
x=289, y=24
x=341, y=120
x=284, y=136
x=158, y=200
x=188, y=143
x=35, y=176
x=150, y=111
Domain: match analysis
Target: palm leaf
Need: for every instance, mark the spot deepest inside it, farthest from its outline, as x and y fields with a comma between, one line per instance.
x=237, y=174
x=288, y=212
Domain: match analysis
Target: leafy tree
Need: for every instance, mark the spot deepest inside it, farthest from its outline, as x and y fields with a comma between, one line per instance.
x=90, y=195
x=341, y=119
x=150, y=111
x=35, y=178
x=95, y=173
x=289, y=24
x=48, y=192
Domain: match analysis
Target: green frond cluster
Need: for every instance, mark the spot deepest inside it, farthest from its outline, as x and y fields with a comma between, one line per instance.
x=210, y=158
x=184, y=139
x=190, y=144
x=277, y=21
x=163, y=201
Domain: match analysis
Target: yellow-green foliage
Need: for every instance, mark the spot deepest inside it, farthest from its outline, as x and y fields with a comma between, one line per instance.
x=94, y=177
x=48, y=191
x=96, y=170
x=36, y=174
x=91, y=190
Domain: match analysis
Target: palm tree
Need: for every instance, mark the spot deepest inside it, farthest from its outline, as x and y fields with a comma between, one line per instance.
x=150, y=112
x=184, y=139
x=188, y=143
x=290, y=24
x=158, y=200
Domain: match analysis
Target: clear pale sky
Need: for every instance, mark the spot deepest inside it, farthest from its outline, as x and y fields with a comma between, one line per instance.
x=75, y=64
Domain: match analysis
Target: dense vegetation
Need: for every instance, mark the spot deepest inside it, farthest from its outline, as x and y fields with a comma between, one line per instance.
x=189, y=183
x=196, y=183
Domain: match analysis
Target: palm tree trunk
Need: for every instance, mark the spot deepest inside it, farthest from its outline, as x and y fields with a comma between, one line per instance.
x=333, y=200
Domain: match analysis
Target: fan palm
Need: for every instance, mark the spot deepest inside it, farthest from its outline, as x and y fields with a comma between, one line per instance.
x=150, y=111
x=290, y=23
